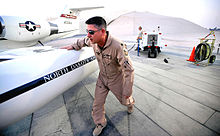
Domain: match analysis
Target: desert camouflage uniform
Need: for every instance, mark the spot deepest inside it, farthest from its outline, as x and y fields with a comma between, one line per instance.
x=116, y=74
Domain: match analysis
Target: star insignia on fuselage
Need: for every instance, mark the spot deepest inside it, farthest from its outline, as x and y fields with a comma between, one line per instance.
x=29, y=25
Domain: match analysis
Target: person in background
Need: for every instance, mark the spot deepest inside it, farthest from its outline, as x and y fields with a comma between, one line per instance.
x=139, y=36
x=116, y=72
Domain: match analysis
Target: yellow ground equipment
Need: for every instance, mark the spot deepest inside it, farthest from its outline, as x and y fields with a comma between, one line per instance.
x=204, y=50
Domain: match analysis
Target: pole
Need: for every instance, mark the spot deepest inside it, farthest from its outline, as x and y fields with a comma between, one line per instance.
x=138, y=47
x=218, y=48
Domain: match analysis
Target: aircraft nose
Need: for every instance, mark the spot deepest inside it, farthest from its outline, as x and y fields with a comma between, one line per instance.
x=2, y=26
x=1, y=29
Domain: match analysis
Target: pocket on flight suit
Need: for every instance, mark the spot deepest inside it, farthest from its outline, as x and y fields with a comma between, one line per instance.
x=129, y=79
x=110, y=65
x=101, y=91
x=107, y=58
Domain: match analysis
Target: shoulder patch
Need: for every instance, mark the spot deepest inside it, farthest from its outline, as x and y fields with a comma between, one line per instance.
x=125, y=50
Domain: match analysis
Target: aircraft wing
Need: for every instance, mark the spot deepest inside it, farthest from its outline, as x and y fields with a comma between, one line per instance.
x=85, y=8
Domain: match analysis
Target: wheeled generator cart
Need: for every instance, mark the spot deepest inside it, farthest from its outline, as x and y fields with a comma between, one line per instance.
x=204, y=50
x=151, y=42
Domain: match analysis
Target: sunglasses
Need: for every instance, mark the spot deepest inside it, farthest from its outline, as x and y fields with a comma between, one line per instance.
x=92, y=32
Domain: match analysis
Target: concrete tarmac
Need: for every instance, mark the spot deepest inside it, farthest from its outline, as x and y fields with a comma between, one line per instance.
x=177, y=98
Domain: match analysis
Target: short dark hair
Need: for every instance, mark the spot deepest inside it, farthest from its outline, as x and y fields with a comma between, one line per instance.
x=98, y=21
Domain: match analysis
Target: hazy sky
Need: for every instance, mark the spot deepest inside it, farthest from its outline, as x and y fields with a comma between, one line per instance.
x=203, y=12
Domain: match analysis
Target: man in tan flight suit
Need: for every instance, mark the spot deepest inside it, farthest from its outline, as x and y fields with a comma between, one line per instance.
x=116, y=71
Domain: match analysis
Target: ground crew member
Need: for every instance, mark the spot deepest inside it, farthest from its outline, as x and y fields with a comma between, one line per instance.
x=139, y=36
x=116, y=71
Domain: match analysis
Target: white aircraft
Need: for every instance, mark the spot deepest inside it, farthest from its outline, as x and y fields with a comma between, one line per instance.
x=31, y=77
x=28, y=31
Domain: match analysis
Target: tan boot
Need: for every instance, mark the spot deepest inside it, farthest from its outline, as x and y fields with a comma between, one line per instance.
x=98, y=129
x=131, y=105
x=130, y=108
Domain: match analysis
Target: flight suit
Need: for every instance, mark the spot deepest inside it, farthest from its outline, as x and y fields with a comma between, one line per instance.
x=116, y=74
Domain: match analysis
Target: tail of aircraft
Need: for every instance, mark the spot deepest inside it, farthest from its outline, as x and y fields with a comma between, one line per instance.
x=70, y=21
x=74, y=12
x=14, y=29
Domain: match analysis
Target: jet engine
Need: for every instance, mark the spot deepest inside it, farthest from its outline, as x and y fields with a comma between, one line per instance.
x=25, y=29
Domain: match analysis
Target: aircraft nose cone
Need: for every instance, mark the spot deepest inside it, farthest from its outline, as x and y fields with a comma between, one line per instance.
x=2, y=26
x=1, y=29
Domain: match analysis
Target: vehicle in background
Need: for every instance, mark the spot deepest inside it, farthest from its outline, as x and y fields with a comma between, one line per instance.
x=151, y=42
